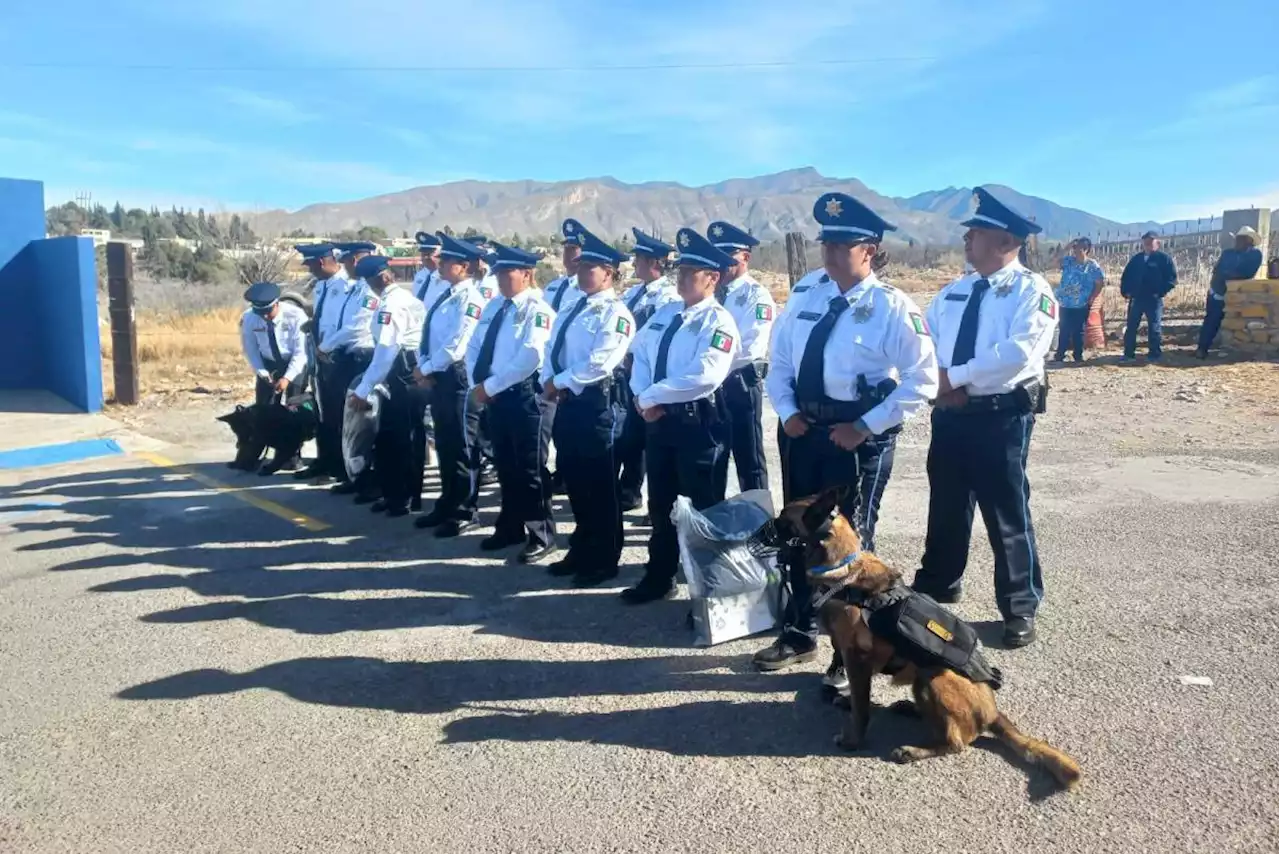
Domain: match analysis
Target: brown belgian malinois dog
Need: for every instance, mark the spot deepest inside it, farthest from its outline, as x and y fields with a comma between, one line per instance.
x=955, y=708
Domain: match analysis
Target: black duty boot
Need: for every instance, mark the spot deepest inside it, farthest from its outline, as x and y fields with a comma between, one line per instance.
x=1019, y=631
x=783, y=654
x=650, y=589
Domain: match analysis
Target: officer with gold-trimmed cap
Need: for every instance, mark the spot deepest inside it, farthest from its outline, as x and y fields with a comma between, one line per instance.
x=682, y=358
x=993, y=329
x=589, y=340
x=852, y=360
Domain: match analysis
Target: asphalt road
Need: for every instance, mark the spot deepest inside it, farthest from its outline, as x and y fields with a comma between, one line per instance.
x=184, y=671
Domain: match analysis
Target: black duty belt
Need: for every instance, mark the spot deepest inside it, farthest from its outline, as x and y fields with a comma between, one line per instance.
x=1028, y=397
x=601, y=389
x=830, y=411
x=527, y=386
x=753, y=373
x=705, y=410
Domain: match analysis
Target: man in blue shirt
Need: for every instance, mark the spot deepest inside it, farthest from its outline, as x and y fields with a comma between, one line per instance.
x=1081, y=283
x=1146, y=279
x=1241, y=262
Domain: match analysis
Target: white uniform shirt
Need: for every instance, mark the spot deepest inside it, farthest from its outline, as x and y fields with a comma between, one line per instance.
x=450, y=327
x=397, y=326
x=882, y=335
x=330, y=294
x=645, y=298
x=568, y=284
x=424, y=283
x=698, y=359
x=290, y=339
x=353, y=318
x=488, y=287
x=521, y=344
x=807, y=282
x=595, y=342
x=1016, y=323
x=753, y=309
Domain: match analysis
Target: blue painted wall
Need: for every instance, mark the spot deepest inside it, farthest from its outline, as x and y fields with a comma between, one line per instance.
x=48, y=303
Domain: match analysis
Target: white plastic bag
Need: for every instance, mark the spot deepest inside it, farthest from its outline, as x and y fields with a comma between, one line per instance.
x=713, y=548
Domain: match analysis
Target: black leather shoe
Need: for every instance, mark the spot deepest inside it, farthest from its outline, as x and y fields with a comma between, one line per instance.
x=397, y=510
x=431, y=520
x=562, y=568
x=379, y=506
x=595, y=577
x=415, y=504
x=454, y=527
x=944, y=597
x=498, y=540
x=313, y=470
x=648, y=591
x=366, y=497
x=346, y=487
x=782, y=654
x=533, y=552
x=629, y=503
x=1019, y=631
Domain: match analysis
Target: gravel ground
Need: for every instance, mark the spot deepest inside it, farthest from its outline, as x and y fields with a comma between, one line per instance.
x=184, y=671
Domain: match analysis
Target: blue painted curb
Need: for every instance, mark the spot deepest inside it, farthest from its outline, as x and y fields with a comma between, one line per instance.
x=63, y=452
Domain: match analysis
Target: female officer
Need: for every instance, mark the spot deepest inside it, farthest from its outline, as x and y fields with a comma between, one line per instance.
x=681, y=361
x=852, y=359
x=588, y=343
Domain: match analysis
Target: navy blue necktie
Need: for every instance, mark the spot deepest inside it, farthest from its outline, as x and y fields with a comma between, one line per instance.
x=556, y=367
x=559, y=297
x=426, y=286
x=319, y=313
x=967, y=337
x=484, y=361
x=426, y=324
x=272, y=342
x=660, y=363
x=810, y=387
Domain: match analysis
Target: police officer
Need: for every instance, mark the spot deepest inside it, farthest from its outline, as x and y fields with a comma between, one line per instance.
x=835, y=356
x=561, y=294
x=276, y=348
x=682, y=359
x=588, y=343
x=654, y=291
x=442, y=372
x=753, y=309
x=504, y=358
x=427, y=285
x=345, y=346
x=994, y=328
x=321, y=260
x=486, y=283
x=397, y=326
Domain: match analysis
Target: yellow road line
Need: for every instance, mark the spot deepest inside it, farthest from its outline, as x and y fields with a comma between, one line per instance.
x=241, y=493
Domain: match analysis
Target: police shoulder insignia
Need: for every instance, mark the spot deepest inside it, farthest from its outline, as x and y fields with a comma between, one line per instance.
x=918, y=324
x=623, y=326
x=384, y=317
x=370, y=303
x=1048, y=306
x=742, y=299
x=764, y=311
x=862, y=313
x=542, y=320
x=722, y=342
x=473, y=311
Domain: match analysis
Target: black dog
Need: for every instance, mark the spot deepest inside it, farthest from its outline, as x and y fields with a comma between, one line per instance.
x=270, y=425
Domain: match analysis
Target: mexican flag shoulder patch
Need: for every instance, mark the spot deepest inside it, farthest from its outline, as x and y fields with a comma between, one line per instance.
x=764, y=311
x=623, y=326
x=473, y=311
x=384, y=317
x=370, y=303
x=918, y=324
x=541, y=320
x=722, y=342
x=1048, y=306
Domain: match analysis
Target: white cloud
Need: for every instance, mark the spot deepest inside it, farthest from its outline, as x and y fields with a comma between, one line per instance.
x=278, y=110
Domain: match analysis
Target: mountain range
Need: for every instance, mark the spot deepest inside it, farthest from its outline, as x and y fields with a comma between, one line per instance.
x=768, y=205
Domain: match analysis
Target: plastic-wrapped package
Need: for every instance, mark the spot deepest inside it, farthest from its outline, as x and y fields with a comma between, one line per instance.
x=734, y=592
x=359, y=430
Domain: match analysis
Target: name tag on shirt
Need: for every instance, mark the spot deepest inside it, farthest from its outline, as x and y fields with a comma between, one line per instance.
x=657, y=326
x=957, y=297
x=809, y=315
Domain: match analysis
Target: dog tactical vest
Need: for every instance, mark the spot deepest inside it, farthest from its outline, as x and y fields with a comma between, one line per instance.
x=923, y=632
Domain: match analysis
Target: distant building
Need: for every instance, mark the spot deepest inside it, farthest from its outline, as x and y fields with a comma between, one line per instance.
x=99, y=236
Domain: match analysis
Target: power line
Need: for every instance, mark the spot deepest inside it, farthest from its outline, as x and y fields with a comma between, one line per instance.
x=515, y=69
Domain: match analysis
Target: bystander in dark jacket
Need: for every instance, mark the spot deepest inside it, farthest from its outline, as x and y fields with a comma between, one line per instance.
x=1240, y=262
x=1146, y=279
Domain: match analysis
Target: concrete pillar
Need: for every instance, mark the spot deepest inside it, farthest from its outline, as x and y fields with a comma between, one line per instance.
x=1259, y=219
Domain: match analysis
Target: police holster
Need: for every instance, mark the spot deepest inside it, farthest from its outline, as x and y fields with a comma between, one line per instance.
x=876, y=395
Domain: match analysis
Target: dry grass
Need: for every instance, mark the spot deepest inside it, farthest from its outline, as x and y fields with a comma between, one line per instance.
x=179, y=352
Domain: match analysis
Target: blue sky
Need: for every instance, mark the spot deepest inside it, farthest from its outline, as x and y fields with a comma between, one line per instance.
x=1128, y=110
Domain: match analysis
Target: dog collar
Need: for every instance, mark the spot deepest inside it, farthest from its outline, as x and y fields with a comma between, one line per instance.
x=818, y=570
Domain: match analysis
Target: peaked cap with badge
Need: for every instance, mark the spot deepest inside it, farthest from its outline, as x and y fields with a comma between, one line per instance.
x=651, y=246
x=510, y=258
x=844, y=219
x=261, y=296
x=995, y=215
x=698, y=251
x=727, y=237
x=458, y=250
